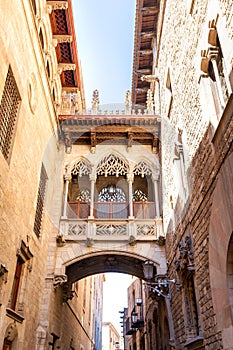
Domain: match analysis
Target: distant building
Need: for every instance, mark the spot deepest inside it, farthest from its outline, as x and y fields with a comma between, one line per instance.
x=110, y=337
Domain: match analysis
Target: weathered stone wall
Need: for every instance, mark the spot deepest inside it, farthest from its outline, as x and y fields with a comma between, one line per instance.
x=205, y=148
x=35, y=142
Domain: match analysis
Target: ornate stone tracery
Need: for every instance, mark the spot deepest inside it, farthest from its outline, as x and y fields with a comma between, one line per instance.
x=84, y=196
x=112, y=194
x=142, y=168
x=81, y=168
x=139, y=196
x=112, y=165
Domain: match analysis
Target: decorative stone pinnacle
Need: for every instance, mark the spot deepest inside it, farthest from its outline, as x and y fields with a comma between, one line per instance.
x=128, y=101
x=95, y=99
x=150, y=102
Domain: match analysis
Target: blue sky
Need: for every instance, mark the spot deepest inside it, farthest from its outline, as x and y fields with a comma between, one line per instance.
x=104, y=34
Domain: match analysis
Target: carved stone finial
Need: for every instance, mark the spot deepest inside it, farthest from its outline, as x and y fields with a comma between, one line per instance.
x=128, y=102
x=95, y=99
x=150, y=102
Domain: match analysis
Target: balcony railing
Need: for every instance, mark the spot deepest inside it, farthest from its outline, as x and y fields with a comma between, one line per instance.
x=78, y=210
x=111, y=210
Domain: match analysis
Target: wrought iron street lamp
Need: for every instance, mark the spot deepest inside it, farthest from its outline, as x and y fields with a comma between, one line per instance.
x=159, y=284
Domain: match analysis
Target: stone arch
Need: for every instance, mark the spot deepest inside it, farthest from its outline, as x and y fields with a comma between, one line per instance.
x=106, y=261
x=80, y=166
x=220, y=249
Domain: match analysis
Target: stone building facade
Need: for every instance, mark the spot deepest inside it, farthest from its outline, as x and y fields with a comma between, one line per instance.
x=89, y=192
x=33, y=83
x=191, y=77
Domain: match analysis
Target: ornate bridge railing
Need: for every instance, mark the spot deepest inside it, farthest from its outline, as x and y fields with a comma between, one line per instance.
x=97, y=229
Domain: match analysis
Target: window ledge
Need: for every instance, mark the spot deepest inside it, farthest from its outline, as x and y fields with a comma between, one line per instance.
x=14, y=315
x=194, y=343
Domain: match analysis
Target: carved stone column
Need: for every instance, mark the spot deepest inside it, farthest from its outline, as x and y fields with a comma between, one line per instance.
x=67, y=178
x=130, y=178
x=93, y=180
x=155, y=180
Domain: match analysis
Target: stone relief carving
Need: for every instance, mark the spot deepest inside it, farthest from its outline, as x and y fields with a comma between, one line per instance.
x=77, y=229
x=146, y=230
x=111, y=230
x=59, y=280
x=185, y=261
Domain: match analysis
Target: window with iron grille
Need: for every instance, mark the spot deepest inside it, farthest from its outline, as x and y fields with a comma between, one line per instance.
x=8, y=113
x=40, y=201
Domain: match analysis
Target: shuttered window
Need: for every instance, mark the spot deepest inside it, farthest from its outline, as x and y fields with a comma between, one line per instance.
x=40, y=201
x=8, y=113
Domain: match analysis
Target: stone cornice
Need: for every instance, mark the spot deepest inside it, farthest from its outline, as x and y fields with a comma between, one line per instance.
x=93, y=120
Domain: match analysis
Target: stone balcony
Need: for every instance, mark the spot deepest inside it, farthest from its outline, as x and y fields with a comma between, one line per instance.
x=113, y=230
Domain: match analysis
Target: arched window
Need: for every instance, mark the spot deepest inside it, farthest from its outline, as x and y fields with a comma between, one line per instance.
x=48, y=69
x=79, y=196
x=33, y=2
x=41, y=39
x=111, y=203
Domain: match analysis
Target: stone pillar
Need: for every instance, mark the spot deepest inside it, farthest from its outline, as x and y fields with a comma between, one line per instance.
x=93, y=180
x=130, y=178
x=155, y=180
x=67, y=178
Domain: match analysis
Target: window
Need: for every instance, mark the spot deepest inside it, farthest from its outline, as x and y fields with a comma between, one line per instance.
x=8, y=113
x=23, y=266
x=40, y=201
x=17, y=278
x=168, y=94
x=41, y=39
x=33, y=2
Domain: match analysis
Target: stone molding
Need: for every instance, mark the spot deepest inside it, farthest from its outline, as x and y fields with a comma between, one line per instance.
x=56, y=5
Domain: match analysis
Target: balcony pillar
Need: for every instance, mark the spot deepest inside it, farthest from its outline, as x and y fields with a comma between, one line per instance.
x=155, y=180
x=93, y=180
x=67, y=178
x=130, y=178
